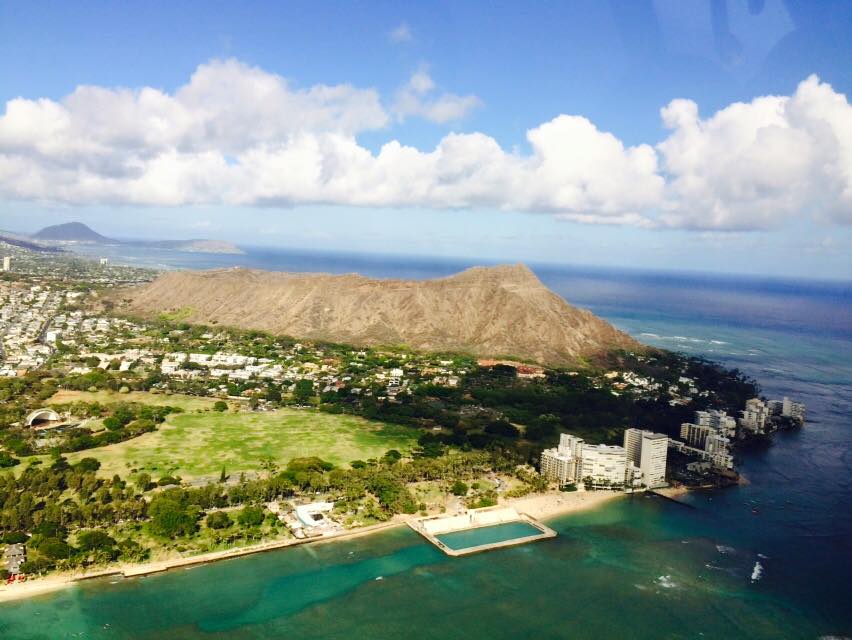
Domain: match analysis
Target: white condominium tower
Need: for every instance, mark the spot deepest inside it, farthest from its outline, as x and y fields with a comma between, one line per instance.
x=718, y=420
x=604, y=465
x=647, y=450
x=562, y=463
x=754, y=415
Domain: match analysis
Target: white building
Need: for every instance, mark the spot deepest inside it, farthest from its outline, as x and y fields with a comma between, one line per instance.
x=7, y=263
x=562, y=463
x=718, y=420
x=717, y=452
x=754, y=415
x=647, y=451
x=559, y=467
x=795, y=410
x=695, y=435
x=604, y=465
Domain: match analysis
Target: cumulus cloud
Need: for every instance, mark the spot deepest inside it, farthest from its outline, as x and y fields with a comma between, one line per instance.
x=419, y=97
x=753, y=165
x=239, y=135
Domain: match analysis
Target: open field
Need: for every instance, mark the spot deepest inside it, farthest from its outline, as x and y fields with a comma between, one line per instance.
x=194, y=445
x=187, y=403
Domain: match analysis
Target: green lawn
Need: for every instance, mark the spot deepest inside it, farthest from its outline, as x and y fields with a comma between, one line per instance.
x=194, y=445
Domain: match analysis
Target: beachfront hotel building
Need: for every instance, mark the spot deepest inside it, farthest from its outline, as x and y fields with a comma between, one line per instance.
x=647, y=451
x=596, y=465
x=561, y=463
x=603, y=465
x=557, y=466
x=795, y=410
x=754, y=415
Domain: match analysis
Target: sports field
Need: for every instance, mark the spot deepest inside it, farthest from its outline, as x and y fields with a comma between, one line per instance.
x=200, y=442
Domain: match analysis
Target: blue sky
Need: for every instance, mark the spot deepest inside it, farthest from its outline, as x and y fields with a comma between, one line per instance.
x=608, y=184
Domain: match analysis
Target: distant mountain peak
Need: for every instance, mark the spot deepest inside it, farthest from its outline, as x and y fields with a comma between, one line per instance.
x=71, y=232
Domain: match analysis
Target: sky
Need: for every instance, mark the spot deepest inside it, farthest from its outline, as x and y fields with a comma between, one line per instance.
x=655, y=134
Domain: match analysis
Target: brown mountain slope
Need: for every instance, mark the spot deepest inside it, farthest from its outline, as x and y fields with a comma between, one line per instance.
x=486, y=311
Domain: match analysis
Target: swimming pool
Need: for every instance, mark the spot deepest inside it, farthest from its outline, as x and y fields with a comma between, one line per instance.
x=468, y=538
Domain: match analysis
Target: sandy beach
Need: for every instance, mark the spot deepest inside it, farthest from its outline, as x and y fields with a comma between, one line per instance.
x=539, y=506
x=558, y=503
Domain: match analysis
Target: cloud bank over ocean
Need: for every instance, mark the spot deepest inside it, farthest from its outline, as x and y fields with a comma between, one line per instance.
x=239, y=135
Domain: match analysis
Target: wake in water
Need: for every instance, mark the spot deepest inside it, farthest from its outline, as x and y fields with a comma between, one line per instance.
x=757, y=572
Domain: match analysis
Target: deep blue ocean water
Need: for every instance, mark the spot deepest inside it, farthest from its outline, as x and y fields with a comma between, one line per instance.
x=638, y=568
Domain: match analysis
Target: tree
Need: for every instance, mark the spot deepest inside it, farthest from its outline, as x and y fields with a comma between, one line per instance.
x=220, y=406
x=143, y=481
x=391, y=457
x=219, y=520
x=87, y=464
x=94, y=540
x=54, y=549
x=303, y=391
x=459, y=488
x=8, y=461
x=223, y=476
x=169, y=518
x=250, y=516
x=502, y=428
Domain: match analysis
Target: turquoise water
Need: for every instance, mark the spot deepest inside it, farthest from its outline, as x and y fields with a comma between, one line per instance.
x=636, y=568
x=488, y=535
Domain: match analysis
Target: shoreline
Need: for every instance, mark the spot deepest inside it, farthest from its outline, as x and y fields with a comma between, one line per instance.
x=544, y=506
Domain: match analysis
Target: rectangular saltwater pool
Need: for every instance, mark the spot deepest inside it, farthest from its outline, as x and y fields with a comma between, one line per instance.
x=467, y=538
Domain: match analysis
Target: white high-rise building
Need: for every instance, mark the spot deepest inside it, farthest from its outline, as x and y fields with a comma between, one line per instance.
x=604, y=465
x=560, y=467
x=647, y=451
x=754, y=415
x=7, y=263
x=718, y=448
x=790, y=409
x=562, y=462
x=695, y=435
x=718, y=420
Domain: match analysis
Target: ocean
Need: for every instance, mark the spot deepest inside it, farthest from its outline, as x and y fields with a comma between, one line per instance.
x=769, y=559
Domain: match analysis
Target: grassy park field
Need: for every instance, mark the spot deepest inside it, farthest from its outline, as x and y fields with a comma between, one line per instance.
x=200, y=442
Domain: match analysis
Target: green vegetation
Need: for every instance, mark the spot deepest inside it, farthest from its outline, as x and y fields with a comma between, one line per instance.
x=84, y=520
x=179, y=315
x=195, y=445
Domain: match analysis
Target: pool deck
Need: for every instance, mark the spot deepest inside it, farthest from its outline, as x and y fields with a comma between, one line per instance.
x=431, y=527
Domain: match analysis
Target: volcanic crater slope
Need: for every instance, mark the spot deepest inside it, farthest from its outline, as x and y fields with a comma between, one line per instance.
x=500, y=311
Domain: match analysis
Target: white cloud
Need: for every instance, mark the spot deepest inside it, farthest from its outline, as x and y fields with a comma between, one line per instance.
x=417, y=98
x=401, y=34
x=754, y=165
x=237, y=135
